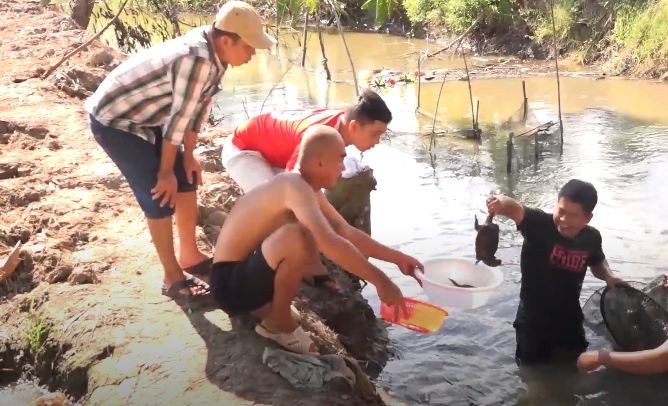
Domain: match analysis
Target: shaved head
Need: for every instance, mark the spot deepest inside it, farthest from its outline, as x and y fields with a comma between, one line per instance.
x=321, y=154
x=318, y=141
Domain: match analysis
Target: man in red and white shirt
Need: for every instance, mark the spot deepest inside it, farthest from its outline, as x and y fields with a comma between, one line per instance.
x=269, y=143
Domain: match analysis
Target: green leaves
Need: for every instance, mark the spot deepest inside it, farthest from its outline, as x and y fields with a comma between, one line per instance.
x=382, y=9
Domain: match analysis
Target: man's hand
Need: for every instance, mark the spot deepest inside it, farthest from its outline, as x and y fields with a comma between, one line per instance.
x=390, y=294
x=588, y=361
x=193, y=169
x=165, y=188
x=499, y=205
x=613, y=281
x=408, y=264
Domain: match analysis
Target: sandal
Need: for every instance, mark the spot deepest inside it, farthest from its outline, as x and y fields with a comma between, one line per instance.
x=174, y=291
x=298, y=341
x=203, y=268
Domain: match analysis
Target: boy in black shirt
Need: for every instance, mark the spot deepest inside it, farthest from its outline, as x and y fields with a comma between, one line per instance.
x=557, y=250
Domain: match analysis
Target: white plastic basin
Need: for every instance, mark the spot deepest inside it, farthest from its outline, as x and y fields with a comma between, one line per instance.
x=441, y=291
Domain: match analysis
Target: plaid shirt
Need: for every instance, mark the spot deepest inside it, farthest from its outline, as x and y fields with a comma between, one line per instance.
x=168, y=86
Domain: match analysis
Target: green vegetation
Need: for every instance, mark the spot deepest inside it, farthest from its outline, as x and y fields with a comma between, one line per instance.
x=37, y=330
x=632, y=32
x=645, y=30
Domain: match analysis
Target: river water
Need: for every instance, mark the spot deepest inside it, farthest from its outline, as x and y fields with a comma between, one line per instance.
x=616, y=136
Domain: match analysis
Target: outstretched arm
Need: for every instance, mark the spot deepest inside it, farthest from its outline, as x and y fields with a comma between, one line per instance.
x=367, y=245
x=640, y=362
x=502, y=205
x=302, y=201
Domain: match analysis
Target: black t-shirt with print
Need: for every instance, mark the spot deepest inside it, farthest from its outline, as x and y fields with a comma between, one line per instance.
x=553, y=268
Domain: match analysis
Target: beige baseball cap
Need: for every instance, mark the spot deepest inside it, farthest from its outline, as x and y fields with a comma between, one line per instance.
x=242, y=19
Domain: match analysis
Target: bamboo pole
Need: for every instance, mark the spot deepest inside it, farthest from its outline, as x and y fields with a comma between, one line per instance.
x=419, y=80
x=477, y=111
x=509, y=153
x=432, y=142
x=468, y=80
x=556, y=64
x=525, y=104
x=322, y=43
x=304, y=38
x=345, y=44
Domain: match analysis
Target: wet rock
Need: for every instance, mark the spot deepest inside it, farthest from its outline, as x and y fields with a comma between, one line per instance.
x=216, y=218
x=38, y=132
x=59, y=274
x=87, y=79
x=8, y=171
x=100, y=58
x=6, y=127
x=212, y=233
x=54, y=145
x=81, y=276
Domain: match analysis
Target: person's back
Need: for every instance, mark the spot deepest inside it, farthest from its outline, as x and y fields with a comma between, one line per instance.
x=269, y=143
x=277, y=135
x=263, y=208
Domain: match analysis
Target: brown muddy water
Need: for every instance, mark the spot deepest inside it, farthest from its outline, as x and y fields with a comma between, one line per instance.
x=616, y=136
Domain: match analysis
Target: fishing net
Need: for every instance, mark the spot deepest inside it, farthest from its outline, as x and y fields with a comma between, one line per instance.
x=523, y=119
x=634, y=317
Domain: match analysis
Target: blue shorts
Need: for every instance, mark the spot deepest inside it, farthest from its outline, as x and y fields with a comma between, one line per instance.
x=139, y=161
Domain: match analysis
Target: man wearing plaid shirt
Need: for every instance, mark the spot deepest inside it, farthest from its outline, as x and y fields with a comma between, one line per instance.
x=146, y=115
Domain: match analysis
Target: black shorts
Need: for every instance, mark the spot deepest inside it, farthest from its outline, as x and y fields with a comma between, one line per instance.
x=538, y=344
x=240, y=287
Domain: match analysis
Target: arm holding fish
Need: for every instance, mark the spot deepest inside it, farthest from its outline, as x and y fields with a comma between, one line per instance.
x=502, y=205
x=367, y=245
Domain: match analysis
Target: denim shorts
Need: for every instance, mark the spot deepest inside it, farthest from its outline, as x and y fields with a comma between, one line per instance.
x=139, y=161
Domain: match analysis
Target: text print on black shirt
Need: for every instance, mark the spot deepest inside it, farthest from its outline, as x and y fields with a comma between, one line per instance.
x=569, y=260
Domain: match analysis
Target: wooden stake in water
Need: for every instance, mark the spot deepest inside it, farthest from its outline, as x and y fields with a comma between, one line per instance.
x=304, y=38
x=468, y=80
x=509, y=153
x=322, y=43
x=477, y=111
x=525, y=104
x=556, y=64
x=432, y=142
x=418, y=78
x=345, y=44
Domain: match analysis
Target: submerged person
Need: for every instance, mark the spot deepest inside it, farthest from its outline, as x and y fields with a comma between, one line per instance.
x=269, y=143
x=557, y=250
x=273, y=237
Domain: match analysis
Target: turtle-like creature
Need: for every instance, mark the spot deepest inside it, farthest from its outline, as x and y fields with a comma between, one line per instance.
x=487, y=242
